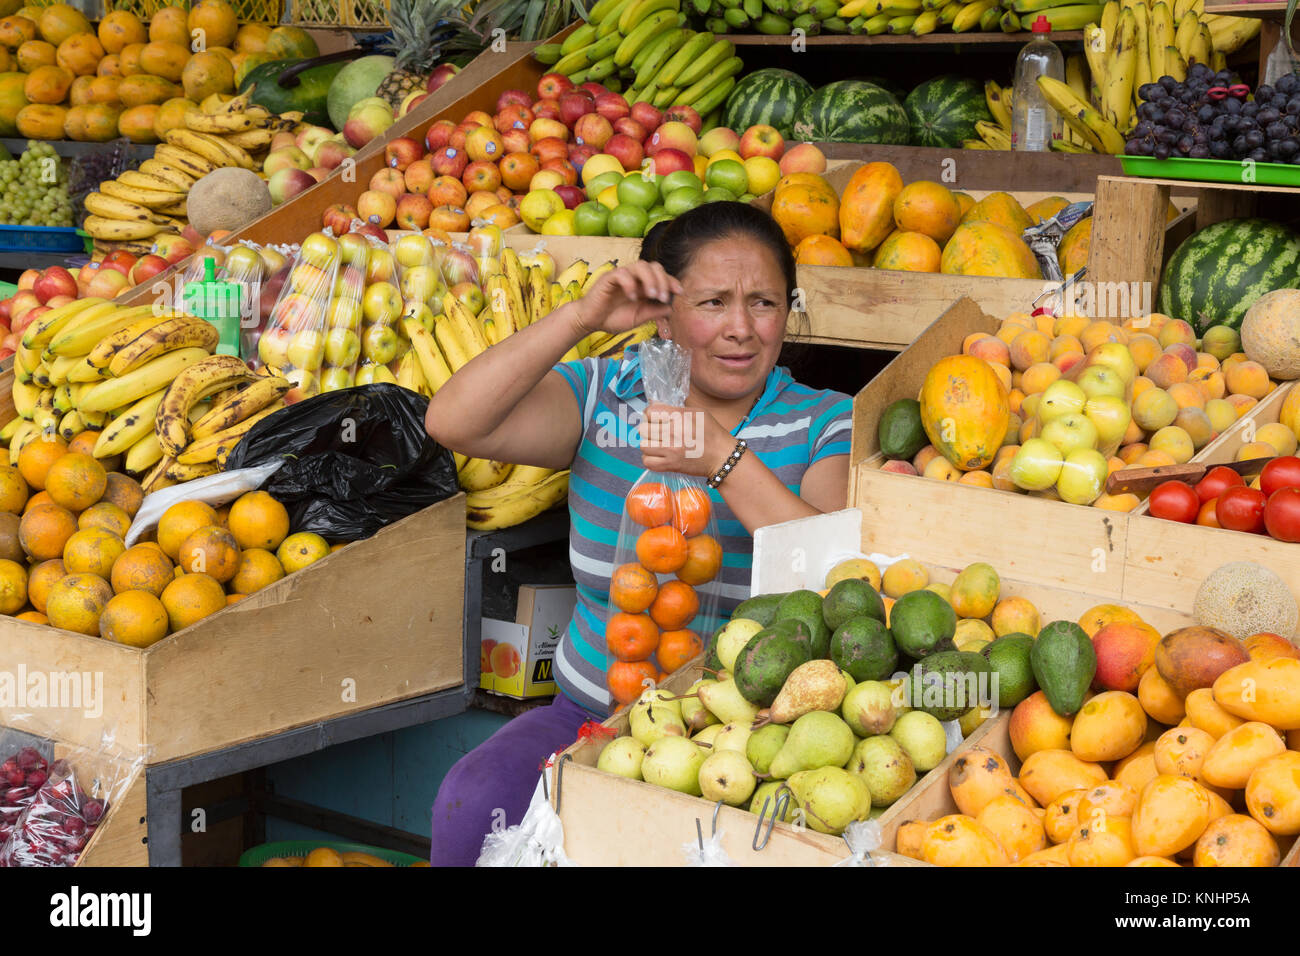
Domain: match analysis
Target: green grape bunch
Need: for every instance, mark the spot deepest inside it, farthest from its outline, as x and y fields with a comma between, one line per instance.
x=34, y=189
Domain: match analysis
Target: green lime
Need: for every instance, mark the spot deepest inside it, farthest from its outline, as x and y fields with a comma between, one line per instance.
x=590, y=219
x=728, y=174
x=718, y=194
x=626, y=219
x=680, y=200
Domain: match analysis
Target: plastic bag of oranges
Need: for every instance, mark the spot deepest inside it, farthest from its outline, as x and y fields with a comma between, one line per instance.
x=663, y=593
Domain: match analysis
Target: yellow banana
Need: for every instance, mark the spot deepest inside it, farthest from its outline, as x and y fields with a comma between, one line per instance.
x=1121, y=68
x=999, y=103
x=197, y=379
x=265, y=391
x=129, y=427
x=169, y=334
x=79, y=336
x=457, y=352
x=207, y=449
x=424, y=346
x=117, y=392
x=168, y=173
x=479, y=474
x=144, y=454
x=39, y=334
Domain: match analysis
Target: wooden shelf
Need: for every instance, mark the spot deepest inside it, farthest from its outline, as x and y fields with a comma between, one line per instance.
x=1269, y=10
x=1191, y=184
x=930, y=39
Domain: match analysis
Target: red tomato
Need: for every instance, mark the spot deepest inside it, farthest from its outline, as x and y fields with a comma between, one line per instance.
x=1241, y=509
x=1279, y=473
x=1206, y=515
x=1175, y=501
x=1215, y=481
x=1282, y=514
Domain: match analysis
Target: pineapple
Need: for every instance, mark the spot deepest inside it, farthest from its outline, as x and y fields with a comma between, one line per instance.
x=423, y=32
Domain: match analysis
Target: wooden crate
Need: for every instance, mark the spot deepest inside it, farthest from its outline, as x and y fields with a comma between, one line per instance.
x=375, y=622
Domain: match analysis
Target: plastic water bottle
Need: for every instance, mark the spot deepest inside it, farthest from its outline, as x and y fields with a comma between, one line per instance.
x=1034, y=124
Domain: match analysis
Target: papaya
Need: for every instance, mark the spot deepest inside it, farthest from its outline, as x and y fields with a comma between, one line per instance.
x=1072, y=253
x=803, y=211
x=981, y=248
x=1044, y=209
x=965, y=411
x=1000, y=208
x=866, y=213
x=908, y=252
x=12, y=100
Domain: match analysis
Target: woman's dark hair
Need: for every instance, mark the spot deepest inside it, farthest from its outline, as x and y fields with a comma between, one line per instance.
x=673, y=242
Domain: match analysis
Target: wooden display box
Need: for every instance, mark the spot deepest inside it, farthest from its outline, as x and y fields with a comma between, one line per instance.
x=375, y=622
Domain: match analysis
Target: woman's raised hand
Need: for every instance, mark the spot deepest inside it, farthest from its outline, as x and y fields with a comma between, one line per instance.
x=626, y=297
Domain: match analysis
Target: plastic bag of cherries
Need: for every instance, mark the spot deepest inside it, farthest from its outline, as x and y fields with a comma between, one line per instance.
x=57, y=822
x=22, y=774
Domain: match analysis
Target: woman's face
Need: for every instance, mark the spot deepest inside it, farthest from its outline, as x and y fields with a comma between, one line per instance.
x=731, y=315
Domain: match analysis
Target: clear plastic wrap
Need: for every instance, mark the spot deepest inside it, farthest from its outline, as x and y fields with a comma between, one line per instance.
x=668, y=554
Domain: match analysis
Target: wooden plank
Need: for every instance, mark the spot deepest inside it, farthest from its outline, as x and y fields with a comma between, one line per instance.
x=986, y=169
x=929, y=40
x=1216, y=205
x=1128, y=231
x=122, y=838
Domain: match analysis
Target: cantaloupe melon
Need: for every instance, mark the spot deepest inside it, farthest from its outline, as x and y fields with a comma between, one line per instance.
x=1270, y=333
x=1245, y=598
x=227, y=199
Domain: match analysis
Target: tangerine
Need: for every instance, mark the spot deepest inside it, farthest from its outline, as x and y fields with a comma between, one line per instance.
x=76, y=602
x=323, y=856
x=36, y=617
x=258, y=521
x=631, y=637
x=38, y=455
x=180, y=521
x=134, y=618
x=703, y=560
x=678, y=648
x=675, y=606
x=257, y=568
x=662, y=549
x=191, y=598
x=632, y=588
x=142, y=567
x=106, y=515
x=301, y=549
x=45, y=529
x=124, y=491
x=649, y=505
x=40, y=498
x=626, y=679
x=691, y=510
x=13, y=586
x=211, y=550
x=92, y=551
x=13, y=490
x=41, y=578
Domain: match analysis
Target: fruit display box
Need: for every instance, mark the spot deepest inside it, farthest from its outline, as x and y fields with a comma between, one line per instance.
x=886, y=309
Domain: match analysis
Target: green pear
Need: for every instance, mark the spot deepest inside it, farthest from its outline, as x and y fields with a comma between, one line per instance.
x=884, y=767
x=706, y=736
x=733, y=638
x=769, y=792
x=622, y=756
x=648, y=722
x=969, y=722
x=674, y=762
x=727, y=776
x=725, y=702
x=733, y=737
x=662, y=698
x=764, y=744
x=816, y=685
x=694, y=714
x=898, y=687
x=819, y=739
x=922, y=738
x=869, y=708
x=830, y=797
x=849, y=682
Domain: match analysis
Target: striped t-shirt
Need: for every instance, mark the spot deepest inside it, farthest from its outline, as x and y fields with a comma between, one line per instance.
x=789, y=428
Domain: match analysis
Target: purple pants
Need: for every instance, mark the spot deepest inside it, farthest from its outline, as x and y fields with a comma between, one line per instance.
x=497, y=776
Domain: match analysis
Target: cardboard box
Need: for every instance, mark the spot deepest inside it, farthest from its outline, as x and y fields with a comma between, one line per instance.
x=524, y=670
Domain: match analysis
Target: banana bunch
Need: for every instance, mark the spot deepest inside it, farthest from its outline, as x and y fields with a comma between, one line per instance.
x=526, y=492
x=142, y=203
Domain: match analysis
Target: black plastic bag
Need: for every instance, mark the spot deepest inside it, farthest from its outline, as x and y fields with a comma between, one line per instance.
x=356, y=459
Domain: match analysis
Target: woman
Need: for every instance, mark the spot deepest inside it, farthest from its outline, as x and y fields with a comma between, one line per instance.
x=719, y=281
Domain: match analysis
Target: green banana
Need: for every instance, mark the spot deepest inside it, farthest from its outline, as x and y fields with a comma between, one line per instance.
x=720, y=51
x=638, y=11
x=824, y=9
x=716, y=25
x=705, y=84
x=1009, y=22
x=902, y=24
x=600, y=10
x=716, y=96
x=808, y=23
x=877, y=24
x=584, y=34
x=655, y=53
x=684, y=57
x=602, y=70
x=589, y=54
x=658, y=22
x=835, y=25
x=925, y=22
x=737, y=19
x=547, y=54
x=989, y=19
x=665, y=98
x=753, y=8
x=608, y=25
x=770, y=24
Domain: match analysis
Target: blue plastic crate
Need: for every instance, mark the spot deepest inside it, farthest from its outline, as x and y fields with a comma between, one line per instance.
x=47, y=239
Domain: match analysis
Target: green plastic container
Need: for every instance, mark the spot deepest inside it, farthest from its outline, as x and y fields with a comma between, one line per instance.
x=7, y=289
x=1212, y=170
x=260, y=854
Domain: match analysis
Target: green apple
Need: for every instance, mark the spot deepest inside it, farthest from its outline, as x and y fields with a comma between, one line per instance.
x=344, y=314
x=307, y=349
x=382, y=303
x=1070, y=432
x=1083, y=476
x=590, y=219
x=728, y=174
x=679, y=179
x=682, y=199
x=1111, y=415
x=1037, y=465
x=341, y=348
x=601, y=182
x=332, y=379
x=1099, y=380
x=718, y=194
x=657, y=217
x=1062, y=397
x=627, y=219
x=635, y=190
x=380, y=343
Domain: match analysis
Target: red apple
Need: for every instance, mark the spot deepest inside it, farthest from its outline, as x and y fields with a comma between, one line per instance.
x=647, y=115
x=173, y=248
x=331, y=154
x=147, y=267
x=762, y=140
x=564, y=167
x=594, y=88
x=413, y=212
x=28, y=278
x=439, y=135
x=389, y=181
x=372, y=229
x=338, y=217
x=513, y=116
x=401, y=152
x=5, y=306
x=546, y=109
x=550, y=147
x=34, y=314
x=117, y=266
x=684, y=114
x=670, y=160
x=572, y=195
x=515, y=141
x=108, y=283
x=513, y=96
x=55, y=280
x=630, y=127
x=450, y=162
x=612, y=106
x=673, y=135
x=592, y=129
x=551, y=85
x=626, y=149
x=60, y=300
x=579, y=153
x=440, y=75
x=24, y=301
x=575, y=104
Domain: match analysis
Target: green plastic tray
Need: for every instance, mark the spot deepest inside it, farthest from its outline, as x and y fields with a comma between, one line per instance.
x=260, y=854
x=1211, y=170
x=7, y=289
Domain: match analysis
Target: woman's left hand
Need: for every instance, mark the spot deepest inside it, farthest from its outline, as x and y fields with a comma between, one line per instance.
x=685, y=440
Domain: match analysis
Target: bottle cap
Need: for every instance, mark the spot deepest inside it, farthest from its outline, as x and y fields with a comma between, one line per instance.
x=1041, y=25
x=219, y=303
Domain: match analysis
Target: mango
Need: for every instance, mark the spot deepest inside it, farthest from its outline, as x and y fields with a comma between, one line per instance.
x=1111, y=799
x=1180, y=751
x=1049, y=773
x=1236, y=840
x=1058, y=855
x=1015, y=826
x=1171, y=814
x=1138, y=768
x=1235, y=755
x=975, y=591
x=1061, y=817
x=1194, y=657
x=1204, y=712
x=1263, y=690
x=909, y=838
x=1108, y=727
x=959, y=840
x=1035, y=726
x=1273, y=794
x=976, y=778
x=1108, y=841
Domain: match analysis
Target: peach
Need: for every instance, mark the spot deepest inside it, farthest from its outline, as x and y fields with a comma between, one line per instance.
x=1184, y=352
x=1221, y=414
x=1008, y=333
x=1154, y=409
x=1125, y=502
x=1068, y=361
x=1175, y=442
x=898, y=467
x=1124, y=652
x=1210, y=382
x=1130, y=453
x=1004, y=375
x=992, y=350
x=1206, y=360
x=1096, y=333
x=1144, y=348
x=1029, y=348
x=1256, y=449
x=1241, y=403
x=1038, y=376
x=1140, y=385
x=1246, y=378
x=941, y=468
x=980, y=479
x=1002, y=474
x=1167, y=370
x=505, y=661
x=1155, y=457
x=923, y=457
x=1197, y=426
x=1065, y=345
x=1028, y=430
x=1071, y=325
x=1029, y=405
x=1265, y=646
x=1175, y=331
x=1186, y=395
x=1014, y=398
x=802, y=158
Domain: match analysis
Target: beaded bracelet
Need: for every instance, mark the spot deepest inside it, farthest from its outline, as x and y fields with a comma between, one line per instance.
x=721, y=473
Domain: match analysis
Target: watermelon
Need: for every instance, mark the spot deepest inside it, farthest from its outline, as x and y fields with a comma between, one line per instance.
x=943, y=111
x=852, y=111
x=772, y=96
x=1217, y=273
x=886, y=83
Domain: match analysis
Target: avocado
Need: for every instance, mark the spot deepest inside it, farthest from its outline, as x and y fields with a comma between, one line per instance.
x=901, y=433
x=1064, y=663
x=806, y=606
x=864, y=647
x=850, y=598
x=761, y=609
x=1009, y=658
x=711, y=659
x=796, y=629
x=947, y=684
x=764, y=664
x=922, y=623
x=309, y=96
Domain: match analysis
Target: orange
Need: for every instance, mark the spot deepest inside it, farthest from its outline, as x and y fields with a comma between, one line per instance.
x=212, y=551
x=76, y=602
x=191, y=598
x=125, y=492
x=632, y=588
x=105, y=515
x=301, y=549
x=323, y=856
x=40, y=498
x=36, y=617
x=13, y=586
x=257, y=568
x=76, y=481
x=136, y=618
x=92, y=551
x=703, y=560
x=675, y=606
x=649, y=505
x=142, y=567
x=84, y=443
x=180, y=521
x=625, y=679
x=677, y=648
x=234, y=598
x=38, y=455
x=631, y=637
x=223, y=517
x=258, y=521
x=691, y=510
x=662, y=549
x=41, y=578
x=45, y=529
x=13, y=490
